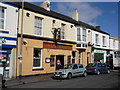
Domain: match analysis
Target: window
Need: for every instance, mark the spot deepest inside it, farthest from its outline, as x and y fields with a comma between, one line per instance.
x=63, y=31
x=75, y=66
x=80, y=66
x=113, y=43
x=84, y=34
x=37, y=58
x=52, y=60
x=103, y=40
x=99, y=64
x=103, y=65
x=38, y=26
x=69, y=59
x=78, y=34
x=96, y=39
x=2, y=12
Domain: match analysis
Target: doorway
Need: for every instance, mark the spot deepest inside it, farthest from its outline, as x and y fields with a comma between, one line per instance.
x=61, y=58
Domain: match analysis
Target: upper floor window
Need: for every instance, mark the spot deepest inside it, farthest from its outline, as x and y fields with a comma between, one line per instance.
x=62, y=31
x=2, y=12
x=96, y=39
x=84, y=34
x=78, y=34
x=113, y=43
x=38, y=26
x=103, y=40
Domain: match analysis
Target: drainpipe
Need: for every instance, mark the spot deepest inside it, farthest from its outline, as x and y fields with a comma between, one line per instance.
x=20, y=65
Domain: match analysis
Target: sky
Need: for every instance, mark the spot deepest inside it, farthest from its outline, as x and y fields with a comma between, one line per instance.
x=104, y=14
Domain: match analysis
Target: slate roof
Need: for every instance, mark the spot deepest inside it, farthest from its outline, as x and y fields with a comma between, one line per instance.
x=38, y=9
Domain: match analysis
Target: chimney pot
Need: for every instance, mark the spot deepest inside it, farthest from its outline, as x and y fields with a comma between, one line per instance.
x=75, y=14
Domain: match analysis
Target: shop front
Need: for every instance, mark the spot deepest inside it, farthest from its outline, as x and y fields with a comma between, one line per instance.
x=99, y=55
x=44, y=56
x=7, y=54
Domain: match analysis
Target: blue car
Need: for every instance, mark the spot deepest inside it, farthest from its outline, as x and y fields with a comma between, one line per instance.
x=97, y=68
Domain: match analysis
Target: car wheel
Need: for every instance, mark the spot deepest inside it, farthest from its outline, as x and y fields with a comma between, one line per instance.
x=98, y=72
x=85, y=74
x=108, y=71
x=69, y=76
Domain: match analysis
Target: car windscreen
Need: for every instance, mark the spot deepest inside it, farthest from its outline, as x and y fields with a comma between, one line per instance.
x=67, y=66
x=91, y=65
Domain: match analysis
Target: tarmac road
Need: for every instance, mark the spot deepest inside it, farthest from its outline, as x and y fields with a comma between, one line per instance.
x=91, y=81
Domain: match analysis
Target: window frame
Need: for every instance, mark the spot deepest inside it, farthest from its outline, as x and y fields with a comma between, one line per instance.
x=103, y=41
x=63, y=31
x=79, y=34
x=37, y=26
x=38, y=67
x=96, y=39
x=4, y=17
x=84, y=34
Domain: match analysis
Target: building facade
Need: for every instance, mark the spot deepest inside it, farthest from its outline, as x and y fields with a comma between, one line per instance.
x=100, y=48
x=114, y=60
x=8, y=36
x=47, y=37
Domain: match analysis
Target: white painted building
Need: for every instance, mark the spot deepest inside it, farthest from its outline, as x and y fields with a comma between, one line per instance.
x=8, y=37
x=115, y=51
x=100, y=42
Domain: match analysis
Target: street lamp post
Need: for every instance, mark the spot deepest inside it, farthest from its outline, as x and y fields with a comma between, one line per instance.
x=21, y=39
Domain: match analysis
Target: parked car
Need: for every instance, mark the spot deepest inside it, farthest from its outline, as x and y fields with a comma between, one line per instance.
x=97, y=68
x=70, y=70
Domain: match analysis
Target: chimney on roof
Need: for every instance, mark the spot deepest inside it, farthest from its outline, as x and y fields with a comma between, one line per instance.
x=46, y=5
x=98, y=27
x=75, y=15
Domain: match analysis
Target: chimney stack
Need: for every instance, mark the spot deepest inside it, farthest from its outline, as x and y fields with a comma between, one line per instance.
x=75, y=15
x=46, y=5
x=98, y=27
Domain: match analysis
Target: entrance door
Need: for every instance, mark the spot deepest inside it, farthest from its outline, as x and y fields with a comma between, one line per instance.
x=61, y=59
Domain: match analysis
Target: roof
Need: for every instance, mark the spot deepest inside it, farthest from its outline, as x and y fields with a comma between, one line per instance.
x=38, y=9
x=92, y=27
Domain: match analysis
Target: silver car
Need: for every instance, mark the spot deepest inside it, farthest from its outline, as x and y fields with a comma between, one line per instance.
x=70, y=71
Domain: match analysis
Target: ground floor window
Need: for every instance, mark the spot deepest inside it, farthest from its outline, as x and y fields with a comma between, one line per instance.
x=37, y=61
x=80, y=57
x=52, y=59
x=69, y=59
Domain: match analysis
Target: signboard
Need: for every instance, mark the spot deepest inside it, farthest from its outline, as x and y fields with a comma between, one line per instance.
x=99, y=51
x=1, y=70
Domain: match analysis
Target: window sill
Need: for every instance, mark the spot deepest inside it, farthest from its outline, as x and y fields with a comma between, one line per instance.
x=104, y=46
x=35, y=69
x=97, y=45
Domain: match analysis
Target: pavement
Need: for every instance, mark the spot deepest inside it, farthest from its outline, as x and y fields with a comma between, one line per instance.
x=28, y=79
x=31, y=79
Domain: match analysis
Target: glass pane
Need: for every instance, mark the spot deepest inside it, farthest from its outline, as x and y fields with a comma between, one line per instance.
x=37, y=57
x=1, y=24
x=38, y=26
x=1, y=12
x=36, y=63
